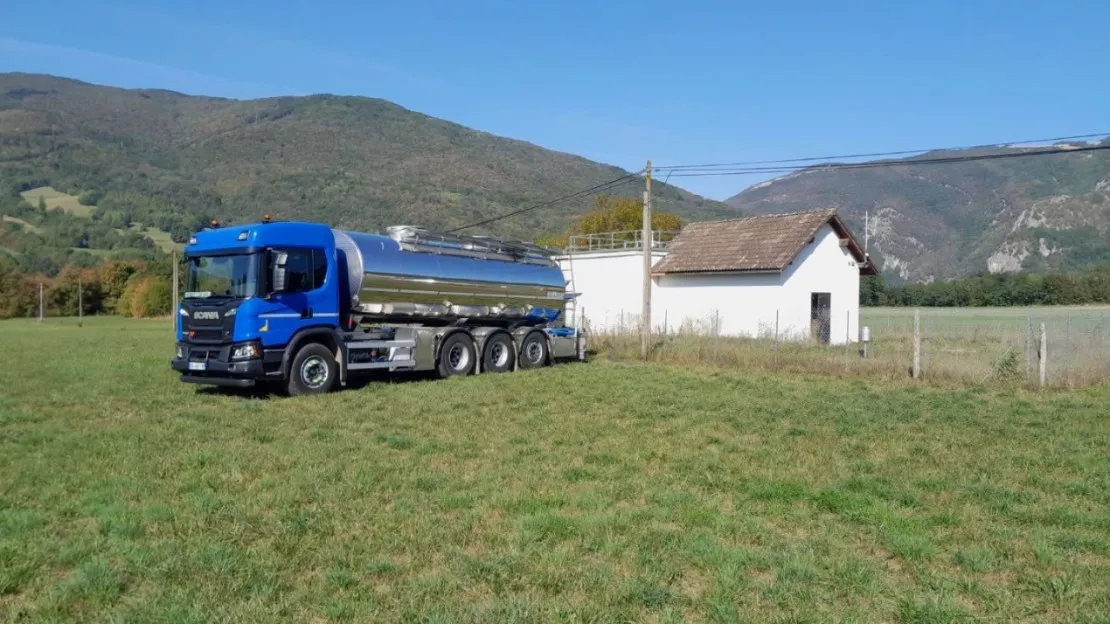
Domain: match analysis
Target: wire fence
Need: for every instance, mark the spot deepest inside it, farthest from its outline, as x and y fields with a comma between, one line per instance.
x=1071, y=344
x=973, y=345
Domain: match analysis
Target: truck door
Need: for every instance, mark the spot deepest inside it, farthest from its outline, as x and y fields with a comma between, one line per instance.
x=307, y=300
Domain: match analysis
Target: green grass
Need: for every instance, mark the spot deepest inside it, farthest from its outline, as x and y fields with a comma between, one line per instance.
x=993, y=343
x=1079, y=318
x=27, y=226
x=602, y=492
x=161, y=238
x=57, y=200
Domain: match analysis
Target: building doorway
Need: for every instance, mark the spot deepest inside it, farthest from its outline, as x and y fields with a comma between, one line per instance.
x=820, y=316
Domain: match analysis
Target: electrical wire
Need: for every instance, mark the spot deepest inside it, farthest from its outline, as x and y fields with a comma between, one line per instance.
x=1073, y=137
x=690, y=173
x=600, y=188
x=785, y=166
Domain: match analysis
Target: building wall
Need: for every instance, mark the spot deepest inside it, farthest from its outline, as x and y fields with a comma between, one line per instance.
x=736, y=304
x=611, y=287
x=825, y=266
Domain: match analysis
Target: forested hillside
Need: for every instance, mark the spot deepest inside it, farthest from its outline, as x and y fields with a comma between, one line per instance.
x=172, y=161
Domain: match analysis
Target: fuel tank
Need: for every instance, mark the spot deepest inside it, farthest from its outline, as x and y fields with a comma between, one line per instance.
x=411, y=274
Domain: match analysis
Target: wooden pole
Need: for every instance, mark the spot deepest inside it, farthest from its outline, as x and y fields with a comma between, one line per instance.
x=917, y=344
x=40, y=302
x=80, y=303
x=645, y=240
x=1042, y=355
x=1028, y=349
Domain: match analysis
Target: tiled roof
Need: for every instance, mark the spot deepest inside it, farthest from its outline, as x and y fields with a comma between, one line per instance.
x=764, y=243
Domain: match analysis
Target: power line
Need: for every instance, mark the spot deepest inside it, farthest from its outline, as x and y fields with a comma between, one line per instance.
x=882, y=154
x=604, y=186
x=690, y=173
x=784, y=166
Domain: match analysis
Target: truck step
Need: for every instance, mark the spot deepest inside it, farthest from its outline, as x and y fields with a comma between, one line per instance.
x=379, y=365
x=380, y=344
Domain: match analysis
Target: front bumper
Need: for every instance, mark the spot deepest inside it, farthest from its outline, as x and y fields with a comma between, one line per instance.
x=211, y=364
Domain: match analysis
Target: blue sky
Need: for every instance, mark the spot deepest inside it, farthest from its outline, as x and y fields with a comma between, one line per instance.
x=620, y=82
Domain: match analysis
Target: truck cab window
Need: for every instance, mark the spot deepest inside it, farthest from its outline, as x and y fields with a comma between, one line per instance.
x=298, y=271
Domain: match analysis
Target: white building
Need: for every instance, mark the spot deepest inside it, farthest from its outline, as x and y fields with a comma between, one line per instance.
x=795, y=275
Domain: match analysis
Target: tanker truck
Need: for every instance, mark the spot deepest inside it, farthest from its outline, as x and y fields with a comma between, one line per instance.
x=303, y=306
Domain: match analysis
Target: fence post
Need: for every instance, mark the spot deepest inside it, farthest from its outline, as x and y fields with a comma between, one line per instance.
x=1028, y=349
x=1042, y=355
x=917, y=343
x=847, y=335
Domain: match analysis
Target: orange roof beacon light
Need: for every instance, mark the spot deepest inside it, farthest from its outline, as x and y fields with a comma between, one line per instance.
x=266, y=218
x=215, y=223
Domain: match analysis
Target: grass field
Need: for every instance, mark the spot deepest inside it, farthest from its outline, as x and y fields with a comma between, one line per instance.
x=1082, y=318
x=600, y=492
x=57, y=200
x=27, y=226
x=161, y=238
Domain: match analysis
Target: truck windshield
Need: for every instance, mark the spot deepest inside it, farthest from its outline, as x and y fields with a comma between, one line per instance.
x=222, y=276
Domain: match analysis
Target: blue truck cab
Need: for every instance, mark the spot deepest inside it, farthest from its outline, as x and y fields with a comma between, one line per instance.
x=234, y=323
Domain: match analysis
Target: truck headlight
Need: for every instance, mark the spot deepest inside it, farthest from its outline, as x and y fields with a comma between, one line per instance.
x=179, y=353
x=246, y=351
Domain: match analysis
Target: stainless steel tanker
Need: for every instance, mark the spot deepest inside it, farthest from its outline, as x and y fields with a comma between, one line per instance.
x=410, y=274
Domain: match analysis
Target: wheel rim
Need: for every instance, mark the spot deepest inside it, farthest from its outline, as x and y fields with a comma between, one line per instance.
x=499, y=354
x=314, y=372
x=534, y=351
x=458, y=357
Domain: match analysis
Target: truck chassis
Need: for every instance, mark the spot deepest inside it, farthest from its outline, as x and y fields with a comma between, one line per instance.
x=318, y=360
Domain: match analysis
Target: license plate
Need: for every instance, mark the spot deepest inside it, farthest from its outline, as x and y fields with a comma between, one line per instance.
x=198, y=366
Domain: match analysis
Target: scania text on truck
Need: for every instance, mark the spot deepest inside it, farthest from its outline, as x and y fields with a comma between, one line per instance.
x=305, y=306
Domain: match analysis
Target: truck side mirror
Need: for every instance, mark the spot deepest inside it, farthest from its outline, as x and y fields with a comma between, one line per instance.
x=277, y=271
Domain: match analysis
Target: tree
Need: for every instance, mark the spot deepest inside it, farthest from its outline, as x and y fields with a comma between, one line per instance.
x=18, y=293
x=89, y=198
x=42, y=204
x=615, y=214
x=872, y=291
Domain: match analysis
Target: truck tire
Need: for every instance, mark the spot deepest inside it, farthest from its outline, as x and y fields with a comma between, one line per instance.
x=533, y=351
x=456, y=356
x=313, y=371
x=498, y=354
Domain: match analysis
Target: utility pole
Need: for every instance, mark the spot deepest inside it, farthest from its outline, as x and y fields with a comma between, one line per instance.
x=80, y=303
x=645, y=240
x=40, y=302
x=866, y=231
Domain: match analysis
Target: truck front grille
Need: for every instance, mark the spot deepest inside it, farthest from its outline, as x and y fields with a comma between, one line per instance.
x=207, y=335
x=204, y=354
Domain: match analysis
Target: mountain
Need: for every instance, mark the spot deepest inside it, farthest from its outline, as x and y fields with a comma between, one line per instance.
x=939, y=221
x=172, y=161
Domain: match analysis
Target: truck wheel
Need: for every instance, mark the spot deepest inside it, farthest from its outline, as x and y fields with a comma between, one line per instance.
x=533, y=351
x=498, y=354
x=313, y=371
x=456, y=356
